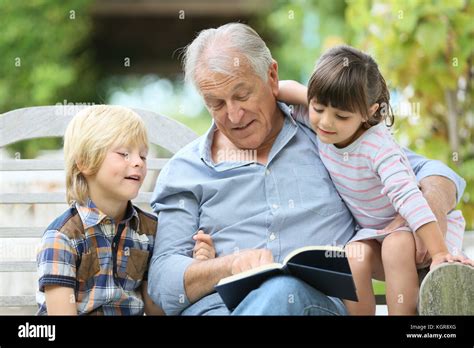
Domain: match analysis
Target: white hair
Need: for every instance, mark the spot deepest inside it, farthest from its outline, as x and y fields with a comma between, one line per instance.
x=221, y=49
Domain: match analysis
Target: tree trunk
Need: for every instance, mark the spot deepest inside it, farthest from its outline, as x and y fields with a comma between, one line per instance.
x=453, y=134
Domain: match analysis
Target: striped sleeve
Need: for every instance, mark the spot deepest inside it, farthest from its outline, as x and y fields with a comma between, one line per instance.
x=56, y=261
x=400, y=186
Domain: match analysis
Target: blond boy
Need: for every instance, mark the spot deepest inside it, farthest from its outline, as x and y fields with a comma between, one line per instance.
x=94, y=258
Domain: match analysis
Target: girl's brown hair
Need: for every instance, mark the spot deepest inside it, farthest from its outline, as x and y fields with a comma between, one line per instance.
x=349, y=79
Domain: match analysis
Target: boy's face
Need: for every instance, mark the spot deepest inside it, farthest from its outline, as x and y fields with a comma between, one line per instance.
x=121, y=174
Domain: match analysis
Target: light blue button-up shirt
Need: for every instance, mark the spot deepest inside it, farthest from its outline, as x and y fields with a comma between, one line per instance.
x=288, y=203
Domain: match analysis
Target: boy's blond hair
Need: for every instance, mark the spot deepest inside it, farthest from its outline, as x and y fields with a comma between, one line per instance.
x=90, y=134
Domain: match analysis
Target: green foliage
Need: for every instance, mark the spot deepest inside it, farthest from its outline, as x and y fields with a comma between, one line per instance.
x=44, y=60
x=424, y=49
x=198, y=124
x=300, y=30
x=427, y=46
x=379, y=287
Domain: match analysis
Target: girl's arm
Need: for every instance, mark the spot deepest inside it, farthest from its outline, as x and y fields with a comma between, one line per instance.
x=60, y=300
x=432, y=236
x=292, y=92
x=402, y=190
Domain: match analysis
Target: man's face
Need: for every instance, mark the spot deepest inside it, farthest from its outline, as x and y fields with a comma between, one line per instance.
x=243, y=106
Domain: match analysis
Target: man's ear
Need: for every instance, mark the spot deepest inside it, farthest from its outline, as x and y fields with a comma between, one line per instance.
x=273, y=77
x=373, y=109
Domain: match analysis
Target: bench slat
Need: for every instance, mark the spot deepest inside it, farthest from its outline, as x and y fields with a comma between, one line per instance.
x=21, y=232
x=53, y=197
x=17, y=266
x=28, y=164
x=17, y=301
x=51, y=121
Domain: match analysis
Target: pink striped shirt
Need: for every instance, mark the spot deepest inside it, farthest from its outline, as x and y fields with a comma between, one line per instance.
x=374, y=178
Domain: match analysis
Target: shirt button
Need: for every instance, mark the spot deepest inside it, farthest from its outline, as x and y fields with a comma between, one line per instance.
x=272, y=237
x=267, y=172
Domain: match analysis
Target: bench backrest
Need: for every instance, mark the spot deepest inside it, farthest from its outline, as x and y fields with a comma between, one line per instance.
x=51, y=121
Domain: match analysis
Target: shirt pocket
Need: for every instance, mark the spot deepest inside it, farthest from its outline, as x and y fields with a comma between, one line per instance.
x=316, y=190
x=137, y=263
x=88, y=268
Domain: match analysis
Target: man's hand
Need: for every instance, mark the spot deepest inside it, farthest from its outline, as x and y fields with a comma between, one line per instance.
x=397, y=222
x=249, y=259
x=201, y=276
x=204, y=248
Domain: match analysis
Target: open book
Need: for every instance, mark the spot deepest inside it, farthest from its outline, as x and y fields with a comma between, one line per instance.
x=326, y=268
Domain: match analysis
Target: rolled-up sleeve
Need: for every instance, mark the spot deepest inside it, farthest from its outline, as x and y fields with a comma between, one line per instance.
x=178, y=220
x=425, y=167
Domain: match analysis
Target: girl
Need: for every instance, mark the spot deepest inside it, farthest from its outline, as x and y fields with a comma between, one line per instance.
x=348, y=106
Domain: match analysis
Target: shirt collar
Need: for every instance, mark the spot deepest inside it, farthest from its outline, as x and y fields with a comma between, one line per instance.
x=286, y=133
x=91, y=215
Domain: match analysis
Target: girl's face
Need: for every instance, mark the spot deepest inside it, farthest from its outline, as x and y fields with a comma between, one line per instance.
x=335, y=126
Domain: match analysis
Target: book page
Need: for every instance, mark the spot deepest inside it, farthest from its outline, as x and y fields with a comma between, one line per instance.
x=250, y=272
x=311, y=247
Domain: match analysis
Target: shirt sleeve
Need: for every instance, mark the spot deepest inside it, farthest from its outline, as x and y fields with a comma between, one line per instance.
x=425, y=167
x=178, y=218
x=56, y=261
x=401, y=187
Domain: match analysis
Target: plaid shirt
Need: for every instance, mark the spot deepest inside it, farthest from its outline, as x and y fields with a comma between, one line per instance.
x=83, y=250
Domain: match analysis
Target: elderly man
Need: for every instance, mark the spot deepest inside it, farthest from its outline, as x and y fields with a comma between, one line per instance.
x=256, y=184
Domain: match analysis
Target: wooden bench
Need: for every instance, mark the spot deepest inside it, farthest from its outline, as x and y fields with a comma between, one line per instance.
x=51, y=121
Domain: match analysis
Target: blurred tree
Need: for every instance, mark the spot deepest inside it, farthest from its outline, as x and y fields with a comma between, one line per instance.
x=425, y=51
x=44, y=60
x=300, y=30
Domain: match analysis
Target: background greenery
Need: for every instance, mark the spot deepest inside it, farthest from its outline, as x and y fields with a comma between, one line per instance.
x=44, y=58
x=425, y=52
x=424, y=49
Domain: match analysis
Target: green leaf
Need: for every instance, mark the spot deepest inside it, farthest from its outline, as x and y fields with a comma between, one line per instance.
x=431, y=37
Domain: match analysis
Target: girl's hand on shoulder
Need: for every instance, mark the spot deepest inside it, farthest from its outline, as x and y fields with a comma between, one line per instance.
x=204, y=248
x=292, y=92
